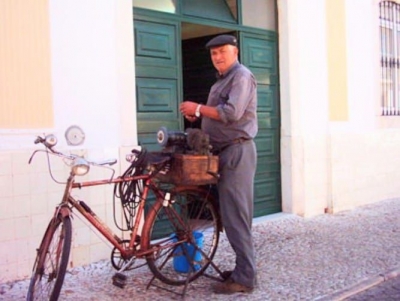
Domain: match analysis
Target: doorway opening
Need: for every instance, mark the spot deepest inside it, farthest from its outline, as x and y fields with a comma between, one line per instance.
x=198, y=73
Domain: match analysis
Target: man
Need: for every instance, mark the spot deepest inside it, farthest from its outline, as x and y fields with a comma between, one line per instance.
x=230, y=119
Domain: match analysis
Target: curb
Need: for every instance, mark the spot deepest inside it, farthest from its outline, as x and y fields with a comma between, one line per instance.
x=359, y=287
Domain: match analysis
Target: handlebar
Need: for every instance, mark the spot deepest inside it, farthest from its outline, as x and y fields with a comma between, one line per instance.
x=49, y=141
x=38, y=140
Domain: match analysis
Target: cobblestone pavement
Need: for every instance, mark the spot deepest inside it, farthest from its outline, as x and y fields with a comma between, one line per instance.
x=328, y=257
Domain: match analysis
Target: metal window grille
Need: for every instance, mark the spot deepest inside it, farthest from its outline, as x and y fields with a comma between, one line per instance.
x=390, y=57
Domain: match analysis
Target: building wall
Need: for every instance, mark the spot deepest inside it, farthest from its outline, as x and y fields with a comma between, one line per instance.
x=304, y=106
x=82, y=72
x=338, y=152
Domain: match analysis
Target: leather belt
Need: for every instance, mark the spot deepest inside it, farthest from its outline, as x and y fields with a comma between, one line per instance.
x=239, y=140
x=234, y=141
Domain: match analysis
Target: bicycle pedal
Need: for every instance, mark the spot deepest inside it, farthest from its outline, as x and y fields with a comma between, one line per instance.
x=119, y=280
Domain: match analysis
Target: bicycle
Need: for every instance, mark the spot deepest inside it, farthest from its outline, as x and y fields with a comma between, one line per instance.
x=171, y=230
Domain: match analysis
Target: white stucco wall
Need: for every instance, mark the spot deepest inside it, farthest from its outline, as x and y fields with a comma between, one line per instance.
x=93, y=86
x=365, y=164
x=92, y=69
x=329, y=166
x=92, y=74
x=304, y=106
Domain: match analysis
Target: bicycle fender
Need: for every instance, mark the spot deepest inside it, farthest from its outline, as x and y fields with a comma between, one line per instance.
x=64, y=211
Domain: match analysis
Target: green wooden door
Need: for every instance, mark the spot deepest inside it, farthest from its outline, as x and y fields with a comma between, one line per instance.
x=158, y=77
x=259, y=54
x=159, y=87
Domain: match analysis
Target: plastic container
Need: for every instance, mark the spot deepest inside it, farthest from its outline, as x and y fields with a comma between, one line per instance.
x=180, y=261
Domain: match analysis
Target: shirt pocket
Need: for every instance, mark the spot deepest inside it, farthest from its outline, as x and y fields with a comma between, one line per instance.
x=223, y=98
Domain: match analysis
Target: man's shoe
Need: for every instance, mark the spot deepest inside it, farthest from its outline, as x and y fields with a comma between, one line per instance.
x=230, y=287
x=226, y=275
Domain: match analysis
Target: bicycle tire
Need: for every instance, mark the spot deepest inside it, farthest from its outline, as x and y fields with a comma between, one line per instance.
x=51, y=261
x=198, y=213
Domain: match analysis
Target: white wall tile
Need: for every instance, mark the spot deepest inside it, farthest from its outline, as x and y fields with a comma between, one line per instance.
x=39, y=224
x=80, y=256
x=21, y=205
x=9, y=225
x=99, y=251
x=8, y=252
x=6, y=207
x=23, y=227
x=38, y=182
x=20, y=162
x=6, y=186
x=38, y=203
x=5, y=164
x=8, y=272
x=81, y=236
x=21, y=184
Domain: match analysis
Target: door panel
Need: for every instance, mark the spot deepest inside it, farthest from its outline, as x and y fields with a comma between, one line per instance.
x=267, y=188
x=158, y=77
x=155, y=43
x=158, y=80
x=157, y=98
x=268, y=106
x=258, y=53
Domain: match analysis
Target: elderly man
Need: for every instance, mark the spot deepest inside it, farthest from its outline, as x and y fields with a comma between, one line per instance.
x=230, y=119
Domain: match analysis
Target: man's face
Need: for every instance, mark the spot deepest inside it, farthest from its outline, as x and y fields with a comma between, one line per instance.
x=223, y=57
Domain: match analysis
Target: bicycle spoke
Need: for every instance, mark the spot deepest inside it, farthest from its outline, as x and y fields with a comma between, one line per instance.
x=187, y=225
x=52, y=260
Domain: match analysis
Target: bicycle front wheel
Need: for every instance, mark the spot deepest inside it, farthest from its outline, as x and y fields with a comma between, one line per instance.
x=51, y=261
x=183, y=234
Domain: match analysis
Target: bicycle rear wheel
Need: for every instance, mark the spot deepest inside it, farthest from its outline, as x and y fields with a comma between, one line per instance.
x=184, y=234
x=51, y=261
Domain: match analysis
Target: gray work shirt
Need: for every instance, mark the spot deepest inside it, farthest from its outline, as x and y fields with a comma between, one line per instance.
x=235, y=97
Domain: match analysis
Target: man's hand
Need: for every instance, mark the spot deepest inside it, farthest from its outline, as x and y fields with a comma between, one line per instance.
x=191, y=118
x=188, y=109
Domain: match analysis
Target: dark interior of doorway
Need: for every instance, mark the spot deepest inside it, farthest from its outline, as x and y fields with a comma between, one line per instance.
x=198, y=72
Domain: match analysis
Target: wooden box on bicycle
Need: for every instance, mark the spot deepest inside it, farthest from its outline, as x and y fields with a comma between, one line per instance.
x=187, y=169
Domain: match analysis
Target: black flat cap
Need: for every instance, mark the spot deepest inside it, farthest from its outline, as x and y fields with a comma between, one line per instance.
x=224, y=39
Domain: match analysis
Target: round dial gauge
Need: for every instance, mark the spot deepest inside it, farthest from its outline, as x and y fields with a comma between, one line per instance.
x=74, y=135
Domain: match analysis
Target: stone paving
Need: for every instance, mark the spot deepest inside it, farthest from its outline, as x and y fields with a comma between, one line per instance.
x=321, y=258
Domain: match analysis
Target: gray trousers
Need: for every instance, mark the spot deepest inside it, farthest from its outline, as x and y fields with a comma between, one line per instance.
x=237, y=167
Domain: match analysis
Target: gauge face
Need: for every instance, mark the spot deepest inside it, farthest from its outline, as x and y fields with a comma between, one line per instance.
x=74, y=135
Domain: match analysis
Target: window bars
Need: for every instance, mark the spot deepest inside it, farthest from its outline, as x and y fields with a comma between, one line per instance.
x=390, y=57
